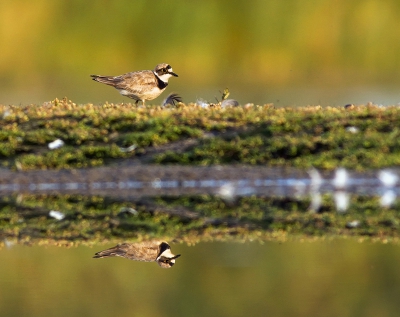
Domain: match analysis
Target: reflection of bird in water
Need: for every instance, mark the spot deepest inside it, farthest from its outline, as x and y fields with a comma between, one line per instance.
x=142, y=85
x=159, y=252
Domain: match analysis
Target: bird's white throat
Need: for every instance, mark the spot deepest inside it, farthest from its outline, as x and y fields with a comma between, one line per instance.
x=163, y=77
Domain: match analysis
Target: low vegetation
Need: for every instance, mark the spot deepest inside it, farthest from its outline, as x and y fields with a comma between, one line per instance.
x=359, y=138
x=189, y=219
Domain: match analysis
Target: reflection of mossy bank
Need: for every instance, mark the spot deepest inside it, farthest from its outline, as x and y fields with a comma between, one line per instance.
x=189, y=219
x=359, y=138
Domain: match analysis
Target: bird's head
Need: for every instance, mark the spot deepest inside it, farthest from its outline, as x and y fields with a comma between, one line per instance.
x=164, y=71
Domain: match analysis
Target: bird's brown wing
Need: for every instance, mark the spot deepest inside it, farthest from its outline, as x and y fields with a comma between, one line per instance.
x=145, y=251
x=136, y=82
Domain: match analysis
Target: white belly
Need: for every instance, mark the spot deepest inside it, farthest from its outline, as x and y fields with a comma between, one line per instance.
x=143, y=95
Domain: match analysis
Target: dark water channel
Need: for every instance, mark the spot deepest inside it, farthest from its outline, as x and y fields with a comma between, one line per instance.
x=227, y=182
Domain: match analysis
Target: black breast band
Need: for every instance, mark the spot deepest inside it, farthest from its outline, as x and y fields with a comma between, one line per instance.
x=161, y=84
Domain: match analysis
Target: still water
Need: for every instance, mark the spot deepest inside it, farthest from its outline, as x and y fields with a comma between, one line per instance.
x=321, y=278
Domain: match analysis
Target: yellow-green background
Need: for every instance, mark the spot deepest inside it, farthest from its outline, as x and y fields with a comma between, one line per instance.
x=286, y=52
x=325, y=279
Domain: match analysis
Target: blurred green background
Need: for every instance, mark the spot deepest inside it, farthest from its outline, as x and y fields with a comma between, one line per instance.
x=287, y=52
x=324, y=278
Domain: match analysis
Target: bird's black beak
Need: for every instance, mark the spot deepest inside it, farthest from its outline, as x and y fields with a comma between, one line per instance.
x=176, y=256
x=173, y=74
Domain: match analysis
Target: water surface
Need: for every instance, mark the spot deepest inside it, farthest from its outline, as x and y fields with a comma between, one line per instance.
x=322, y=278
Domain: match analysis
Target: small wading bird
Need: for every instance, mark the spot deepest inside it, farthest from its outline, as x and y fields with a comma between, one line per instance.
x=142, y=85
x=159, y=252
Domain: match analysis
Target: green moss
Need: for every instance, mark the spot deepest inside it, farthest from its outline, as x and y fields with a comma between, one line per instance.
x=257, y=135
x=91, y=220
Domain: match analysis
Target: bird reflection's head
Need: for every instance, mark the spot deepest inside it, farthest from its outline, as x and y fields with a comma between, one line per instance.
x=166, y=259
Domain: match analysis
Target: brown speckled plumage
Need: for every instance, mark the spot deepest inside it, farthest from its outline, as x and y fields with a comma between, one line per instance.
x=145, y=251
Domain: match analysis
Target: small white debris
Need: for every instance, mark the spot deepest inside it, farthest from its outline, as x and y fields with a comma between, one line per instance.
x=352, y=129
x=316, y=179
x=7, y=113
x=56, y=144
x=316, y=182
x=316, y=202
x=341, y=178
x=128, y=149
x=128, y=210
x=19, y=199
x=156, y=183
x=388, y=198
x=388, y=178
x=8, y=243
x=202, y=103
x=18, y=165
x=353, y=224
x=342, y=200
x=227, y=191
x=56, y=214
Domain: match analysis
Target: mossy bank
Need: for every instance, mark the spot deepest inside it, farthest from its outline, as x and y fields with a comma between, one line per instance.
x=92, y=220
x=359, y=138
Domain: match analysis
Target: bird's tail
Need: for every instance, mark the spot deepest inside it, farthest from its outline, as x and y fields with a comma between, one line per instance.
x=115, y=251
x=108, y=80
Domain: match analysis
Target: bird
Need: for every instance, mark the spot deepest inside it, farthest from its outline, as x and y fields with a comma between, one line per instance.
x=141, y=85
x=150, y=251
